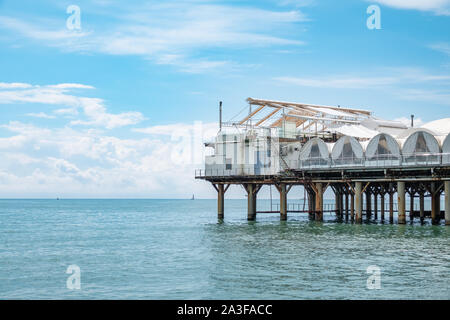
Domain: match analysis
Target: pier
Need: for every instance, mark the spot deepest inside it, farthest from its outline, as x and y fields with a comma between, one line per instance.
x=372, y=166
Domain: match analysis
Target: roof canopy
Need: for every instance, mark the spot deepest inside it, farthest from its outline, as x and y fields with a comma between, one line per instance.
x=347, y=150
x=421, y=142
x=315, y=148
x=313, y=119
x=383, y=146
x=270, y=113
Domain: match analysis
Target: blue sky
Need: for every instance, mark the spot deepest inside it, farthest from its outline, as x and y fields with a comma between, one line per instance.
x=98, y=112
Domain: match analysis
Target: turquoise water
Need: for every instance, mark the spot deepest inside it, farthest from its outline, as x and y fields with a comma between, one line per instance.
x=176, y=249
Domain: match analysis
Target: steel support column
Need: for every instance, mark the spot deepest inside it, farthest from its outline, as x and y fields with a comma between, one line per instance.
x=447, y=203
x=401, y=202
x=283, y=201
x=422, y=206
x=319, y=202
x=220, y=201
x=435, y=204
x=358, y=201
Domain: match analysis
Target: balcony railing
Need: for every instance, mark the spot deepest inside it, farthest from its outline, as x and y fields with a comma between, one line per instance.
x=384, y=161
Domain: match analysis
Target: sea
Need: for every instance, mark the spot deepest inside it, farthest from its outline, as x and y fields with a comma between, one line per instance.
x=177, y=249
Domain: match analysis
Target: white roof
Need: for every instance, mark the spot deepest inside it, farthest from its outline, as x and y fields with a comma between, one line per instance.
x=405, y=134
x=356, y=130
x=441, y=126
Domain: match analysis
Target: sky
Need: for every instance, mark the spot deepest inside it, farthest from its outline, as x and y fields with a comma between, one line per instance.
x=109, y=99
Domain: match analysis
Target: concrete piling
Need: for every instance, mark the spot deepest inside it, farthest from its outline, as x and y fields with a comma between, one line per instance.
x=220, y=201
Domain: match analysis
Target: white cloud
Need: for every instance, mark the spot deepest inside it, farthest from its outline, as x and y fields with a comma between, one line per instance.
x=431, y=95
x=337, y=82
x=42, y=115
x=70, y=86
x=96, y=113
x=391, y=76
x=93, y=108
x=14, y=85
x=440, y=7
x=69, y=162
x=443, y=47
x=170, y=29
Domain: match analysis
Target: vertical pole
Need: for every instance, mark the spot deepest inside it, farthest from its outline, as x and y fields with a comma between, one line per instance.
x=220, y=202
x=422, y=206
x=435, y=205
x=375, y=205
x=337, y=203
x=220, y=116
x=352, y=207
x=251, y=210
x=311, y=205
x=368, y=205
x=447, y=203
x=346, y=206
x=283, y=202
x=391, y=206
x=411, y=206
x=382, y=196
x=358, y=200
x=319, y=202
x=401, y=202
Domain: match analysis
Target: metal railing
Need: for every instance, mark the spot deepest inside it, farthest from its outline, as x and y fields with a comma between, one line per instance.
x=384, y=161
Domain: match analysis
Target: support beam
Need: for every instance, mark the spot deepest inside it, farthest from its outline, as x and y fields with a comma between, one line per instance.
x=375, y=205
x=382, y=204
x=368, y=204
x=252, y=191
x=435, y=203
x=422, y=206
x=358, y=200
x=401, y=202
x=319, y=202
x=346, y=206
x=283, y=201
x=411, y=206
x=311, y=205
x=391, y=206
x=220, y=201
x=251, y=114
x=447, y=203
x=352, y=207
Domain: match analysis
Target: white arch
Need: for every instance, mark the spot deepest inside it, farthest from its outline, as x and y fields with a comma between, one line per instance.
x=446, y=150
x=421, y=147
x=383, y=150
x=314, y=153
x=347, y=151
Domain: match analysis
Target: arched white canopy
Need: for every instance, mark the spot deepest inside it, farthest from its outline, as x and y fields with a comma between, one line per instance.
x=347, y=151
x=383, y=149
x=314, y=153
x=421, y=147
x=446, y=150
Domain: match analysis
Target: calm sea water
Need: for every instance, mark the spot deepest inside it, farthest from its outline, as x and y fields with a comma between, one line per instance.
x=176, y=249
